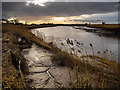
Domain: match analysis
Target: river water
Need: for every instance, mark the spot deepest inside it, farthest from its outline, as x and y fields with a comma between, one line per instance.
x=79, y=41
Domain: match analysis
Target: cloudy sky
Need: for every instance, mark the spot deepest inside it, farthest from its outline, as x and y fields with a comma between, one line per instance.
x=61, y=12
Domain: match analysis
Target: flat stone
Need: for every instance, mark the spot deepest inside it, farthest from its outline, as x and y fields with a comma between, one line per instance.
x=63, y=75
x=38, y=69
x=39, y=80
x=44, y=73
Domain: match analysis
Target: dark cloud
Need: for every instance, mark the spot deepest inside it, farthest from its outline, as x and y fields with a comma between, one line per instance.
x=12, y=9
x=91, y=21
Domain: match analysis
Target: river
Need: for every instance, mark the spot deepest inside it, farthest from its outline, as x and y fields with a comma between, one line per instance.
x=79, y=41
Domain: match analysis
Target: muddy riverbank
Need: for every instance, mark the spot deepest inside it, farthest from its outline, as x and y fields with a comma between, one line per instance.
x=44, y=72
x=14, y=65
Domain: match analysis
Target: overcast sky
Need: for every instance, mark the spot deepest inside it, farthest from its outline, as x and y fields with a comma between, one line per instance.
x=62, y=12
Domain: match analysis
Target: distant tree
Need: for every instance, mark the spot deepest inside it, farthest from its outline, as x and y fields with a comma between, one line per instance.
x=103, y=23
x=26, y=22
x=16, y=21
x=5, y=21
x=33, y=24
x=86, y=23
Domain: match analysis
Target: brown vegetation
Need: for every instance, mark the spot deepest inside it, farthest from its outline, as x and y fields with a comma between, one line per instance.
x=105, y=26
x=100, y=74
x=23, y=32
x=14, y=66
x=38, y=26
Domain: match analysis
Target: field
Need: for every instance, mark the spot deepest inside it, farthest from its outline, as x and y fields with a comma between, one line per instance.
x=105, y=26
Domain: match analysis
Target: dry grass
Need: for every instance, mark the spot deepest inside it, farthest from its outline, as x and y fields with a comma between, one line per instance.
x=101, y=74
x=21, y=31
x=12, y=75
x=105, y=26
x=63, y=59
x=14, y=66
x=37, y=26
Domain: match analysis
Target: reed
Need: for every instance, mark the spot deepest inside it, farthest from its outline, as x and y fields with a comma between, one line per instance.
x=91, y=71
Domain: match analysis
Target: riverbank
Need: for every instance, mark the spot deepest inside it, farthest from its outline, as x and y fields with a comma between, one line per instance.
x=100, y=73
x=14, y=65
x=44, y=72
x=109, y=27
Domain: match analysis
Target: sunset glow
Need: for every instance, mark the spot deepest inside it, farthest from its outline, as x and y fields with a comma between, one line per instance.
x=59, y=18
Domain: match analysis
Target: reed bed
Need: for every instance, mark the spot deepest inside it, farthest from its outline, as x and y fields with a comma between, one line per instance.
x=91, y=71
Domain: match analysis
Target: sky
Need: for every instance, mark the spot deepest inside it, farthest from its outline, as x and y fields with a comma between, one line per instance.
x=41, y=11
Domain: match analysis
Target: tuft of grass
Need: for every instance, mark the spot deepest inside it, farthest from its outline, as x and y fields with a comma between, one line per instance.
x=63, y=59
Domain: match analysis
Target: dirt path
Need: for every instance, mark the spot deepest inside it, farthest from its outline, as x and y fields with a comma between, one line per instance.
x=43, y=72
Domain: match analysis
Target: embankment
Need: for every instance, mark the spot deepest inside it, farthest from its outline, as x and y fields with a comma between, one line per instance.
x=108, y=27
x=14, y=66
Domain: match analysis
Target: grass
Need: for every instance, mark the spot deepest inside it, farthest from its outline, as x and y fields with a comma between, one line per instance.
x=105, y=74
x=91, y=71
x=23, y=32
x=14, y=65
x=105, y=26
x=13, y=73
x=38, y=26
x=100, y=74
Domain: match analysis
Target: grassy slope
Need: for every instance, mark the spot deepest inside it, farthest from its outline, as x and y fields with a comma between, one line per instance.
x=12, y=76
x=101, y=74
x=102, y=78
x=21, y=31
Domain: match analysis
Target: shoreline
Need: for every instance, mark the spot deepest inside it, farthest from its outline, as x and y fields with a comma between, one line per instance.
x=114, y=28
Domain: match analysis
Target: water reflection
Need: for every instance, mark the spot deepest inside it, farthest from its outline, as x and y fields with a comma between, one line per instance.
x=103, y=46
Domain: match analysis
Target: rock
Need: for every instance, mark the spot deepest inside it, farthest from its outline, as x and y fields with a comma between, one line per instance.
x=44, y=72
x=38, y=69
